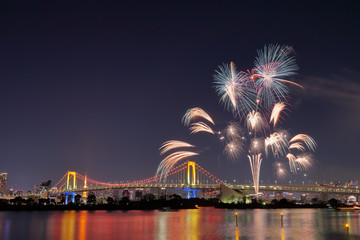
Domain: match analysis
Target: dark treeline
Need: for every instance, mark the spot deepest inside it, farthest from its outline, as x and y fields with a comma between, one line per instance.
x=282, y=203
x=148, y=202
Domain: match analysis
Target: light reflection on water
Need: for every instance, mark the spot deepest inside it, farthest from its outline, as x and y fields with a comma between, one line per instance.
x=204, y=223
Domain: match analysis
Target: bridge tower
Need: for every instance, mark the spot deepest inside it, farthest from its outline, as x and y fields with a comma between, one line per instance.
x=70, y=187
x=191, y=180
x=85, y=186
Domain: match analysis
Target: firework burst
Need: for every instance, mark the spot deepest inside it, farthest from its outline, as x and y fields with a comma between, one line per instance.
x=200, y=127
x=196, y=112
x=309, y=141
x=234, y=89
x=275, y=114
x=278, y=143
x=173, y=144
x=304, y=162
x=234, y=149
x=171, y=160
x=280, y=170
x=292, y=162
x=298, y=145
x=254, y=121
x=233, y=131
x=274, y=63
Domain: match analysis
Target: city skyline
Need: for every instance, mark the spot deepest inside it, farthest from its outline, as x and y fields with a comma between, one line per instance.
x=98, y=89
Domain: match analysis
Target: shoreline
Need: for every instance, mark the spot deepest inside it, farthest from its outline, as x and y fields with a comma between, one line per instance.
x=162, y=205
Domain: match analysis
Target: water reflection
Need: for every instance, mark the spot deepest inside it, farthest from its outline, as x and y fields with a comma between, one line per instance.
x=205, y=223
x=68, y=225
x=282, y=233
x=82, y=225
x=237, y=233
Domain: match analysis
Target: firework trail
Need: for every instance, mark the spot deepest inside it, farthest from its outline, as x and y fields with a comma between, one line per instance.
x=200, y=127
x=255, y=164
x=173, y=144
x=275, y=114
x=298, y=145
x=309, y=141
x=171, y=160
x=292, y=162
x=195, y=113
x=234, y=89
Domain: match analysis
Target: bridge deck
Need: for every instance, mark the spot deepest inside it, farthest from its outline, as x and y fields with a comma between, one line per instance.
x=243, y=187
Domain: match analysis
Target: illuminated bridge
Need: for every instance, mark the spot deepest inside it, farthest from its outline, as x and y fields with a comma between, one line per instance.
x=188, y=176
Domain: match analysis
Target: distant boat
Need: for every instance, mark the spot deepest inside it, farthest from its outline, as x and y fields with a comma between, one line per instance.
x=348, y=208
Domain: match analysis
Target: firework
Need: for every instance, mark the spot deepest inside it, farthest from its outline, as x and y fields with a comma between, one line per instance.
x=309, y=141
x=256, y=145
x=233, y=131
x=257, y=95
x=255, y=164
x=280, y=170
x=254, y=96
x=273, y=64
x=194, y=113
x=292, y=162
x=298, y=145
x=254, y=121
x=234, y=149
x=277, y=143
x=200, y=127
x=235, y=91
x=171, y=160
x=173, y=144
x=275, y=114
x=268, y=81
x=304, y=162
x=221, y=137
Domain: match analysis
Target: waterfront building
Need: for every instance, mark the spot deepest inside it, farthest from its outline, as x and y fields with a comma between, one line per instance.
x=3, y=179
x=138, y=194
x=229, y=195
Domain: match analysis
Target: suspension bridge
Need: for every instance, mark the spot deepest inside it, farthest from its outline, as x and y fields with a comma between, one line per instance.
x=188, y=176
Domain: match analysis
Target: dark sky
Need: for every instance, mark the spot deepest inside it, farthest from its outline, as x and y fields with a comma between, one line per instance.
x=97, y=87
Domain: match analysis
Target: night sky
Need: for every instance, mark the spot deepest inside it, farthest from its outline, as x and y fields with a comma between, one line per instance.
x=97, y=87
